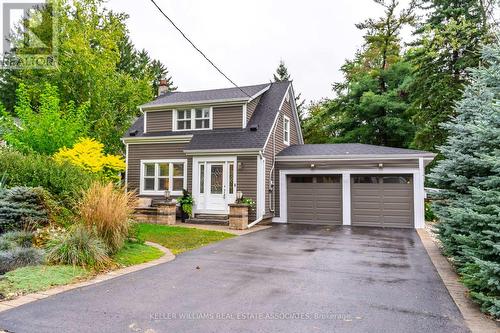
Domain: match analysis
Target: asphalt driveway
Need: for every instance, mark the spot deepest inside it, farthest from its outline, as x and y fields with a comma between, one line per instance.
x=283, y=279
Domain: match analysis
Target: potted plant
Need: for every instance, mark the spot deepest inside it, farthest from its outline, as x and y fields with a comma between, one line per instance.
x=186, y=202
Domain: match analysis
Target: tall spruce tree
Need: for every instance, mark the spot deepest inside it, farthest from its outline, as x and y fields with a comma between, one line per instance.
x=283, y=75
x=469, y=176
x=449, y=42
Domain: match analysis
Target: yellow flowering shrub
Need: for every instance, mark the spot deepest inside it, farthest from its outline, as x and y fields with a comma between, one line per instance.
x=88, y=154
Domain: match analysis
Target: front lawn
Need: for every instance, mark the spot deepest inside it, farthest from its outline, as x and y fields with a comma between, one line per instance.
x=37, y=278
x=179, y=239
x=134, y=254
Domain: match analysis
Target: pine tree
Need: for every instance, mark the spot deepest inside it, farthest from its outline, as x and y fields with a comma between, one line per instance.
x=469, y=176
x=281, y=73
x=449, y=42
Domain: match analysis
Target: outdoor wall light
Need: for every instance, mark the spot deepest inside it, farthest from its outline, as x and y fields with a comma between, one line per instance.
x=313, y=166
x=240, y=165
x=239, y=195
x=381, y=165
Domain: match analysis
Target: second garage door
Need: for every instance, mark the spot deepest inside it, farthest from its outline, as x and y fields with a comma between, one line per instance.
x=315, y=199
x=382, y=201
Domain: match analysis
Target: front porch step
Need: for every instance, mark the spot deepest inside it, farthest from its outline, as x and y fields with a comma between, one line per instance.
x=209, y=219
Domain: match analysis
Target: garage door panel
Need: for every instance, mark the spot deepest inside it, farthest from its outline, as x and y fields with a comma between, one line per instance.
x=382, y=200
x=319, y=202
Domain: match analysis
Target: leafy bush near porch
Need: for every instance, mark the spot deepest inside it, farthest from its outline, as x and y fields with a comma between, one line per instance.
x=106, y=210
x=78, y=247
x=22, y=207
x=469, y=204
x=63, y=180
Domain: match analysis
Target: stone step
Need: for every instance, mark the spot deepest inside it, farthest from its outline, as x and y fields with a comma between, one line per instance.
x=210, y=221
x=212, y=216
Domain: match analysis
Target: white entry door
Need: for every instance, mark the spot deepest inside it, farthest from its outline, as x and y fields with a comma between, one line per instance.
x=216, y=187
x=215, y=184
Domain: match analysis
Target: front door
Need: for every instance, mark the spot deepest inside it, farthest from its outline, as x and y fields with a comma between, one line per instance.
x=216, y=187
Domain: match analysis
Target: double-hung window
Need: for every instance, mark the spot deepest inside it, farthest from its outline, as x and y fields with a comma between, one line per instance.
x=159, y=176
x=286, y=130
x=192, y=119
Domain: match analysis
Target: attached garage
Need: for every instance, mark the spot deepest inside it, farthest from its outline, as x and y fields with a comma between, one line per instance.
x=382, y=201
x=351, y=185
x=315, y=199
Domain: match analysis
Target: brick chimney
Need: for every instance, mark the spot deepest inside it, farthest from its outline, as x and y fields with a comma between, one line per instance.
x=163, y=87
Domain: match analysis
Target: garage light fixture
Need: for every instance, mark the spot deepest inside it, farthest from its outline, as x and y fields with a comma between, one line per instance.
x=313, y=166
x=381, y=165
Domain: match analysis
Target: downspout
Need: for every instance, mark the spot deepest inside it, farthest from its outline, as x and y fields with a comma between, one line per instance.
x=261, y=155
x=271, y=172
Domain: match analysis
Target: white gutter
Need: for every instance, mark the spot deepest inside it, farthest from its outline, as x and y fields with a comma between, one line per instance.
x=347, y=157
x=255, y=222
x=157, y=139
x=194, y=103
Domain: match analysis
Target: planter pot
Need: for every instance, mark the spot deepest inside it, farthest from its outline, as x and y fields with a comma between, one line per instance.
x=238, y=216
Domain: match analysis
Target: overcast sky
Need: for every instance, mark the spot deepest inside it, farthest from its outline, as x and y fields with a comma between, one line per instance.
x=247, y=39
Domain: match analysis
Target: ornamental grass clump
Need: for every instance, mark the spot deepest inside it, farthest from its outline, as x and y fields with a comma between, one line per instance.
x=79, y=247
x=106, y=210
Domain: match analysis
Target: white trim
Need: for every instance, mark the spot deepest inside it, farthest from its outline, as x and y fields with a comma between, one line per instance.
x=418, y=189
x=284, y=97
x=244, y=119
x=157, y=161
x=238, y=151
x=145, y=122
x=196, y=103
x=260, y=92
x=308, y=158
x=346, y=198
x=271, y=132
x=192, y=119
x=158, y=139
x=285, y=119
x=296, y=116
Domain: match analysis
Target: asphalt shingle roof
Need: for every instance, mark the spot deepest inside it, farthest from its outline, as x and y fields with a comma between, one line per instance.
x=346, y=149
x=263, y=117
x=182, y=97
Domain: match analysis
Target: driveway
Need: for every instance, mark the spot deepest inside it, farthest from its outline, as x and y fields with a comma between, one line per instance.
x=283, y=279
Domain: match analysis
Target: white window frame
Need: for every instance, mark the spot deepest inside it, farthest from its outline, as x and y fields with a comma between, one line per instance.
x=286, y=130
x=193, y=119
x=156, y=177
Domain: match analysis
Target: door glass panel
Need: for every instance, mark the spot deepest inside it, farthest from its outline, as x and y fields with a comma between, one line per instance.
x=327, y=179
x=231, y=178
x=216, y=179
x=150, y=169
x=365, y=180
x=301, y=179
x=397, y=179
x=202, y=178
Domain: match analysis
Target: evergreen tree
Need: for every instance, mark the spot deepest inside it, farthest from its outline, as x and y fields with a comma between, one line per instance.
x=469, y=176
x=281, y=73
x=372, y=101
x=449, y=42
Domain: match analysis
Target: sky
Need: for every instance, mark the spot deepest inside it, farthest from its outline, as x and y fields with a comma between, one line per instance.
x=247, y=39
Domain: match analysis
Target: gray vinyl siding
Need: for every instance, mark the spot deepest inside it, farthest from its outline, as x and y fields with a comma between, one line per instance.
x=158, y=121
x=274, y=146
x=251, y=106
x=247, y=180
x=153, y=151
x=228, y=117
x=333, y=165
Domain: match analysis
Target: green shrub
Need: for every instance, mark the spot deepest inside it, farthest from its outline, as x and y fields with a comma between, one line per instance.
x=429, y=213
x=19, y=257
x=63, y=180
x=79, y=247
x=6, y=244
x=20, y=238
x=22, y=207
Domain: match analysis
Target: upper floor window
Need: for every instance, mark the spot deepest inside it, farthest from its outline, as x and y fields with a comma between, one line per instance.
x=192, y=119
x=286, y=130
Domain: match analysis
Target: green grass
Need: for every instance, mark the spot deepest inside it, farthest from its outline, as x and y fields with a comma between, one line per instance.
x=134, y=254
x=37, y=278
x=179, y=239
